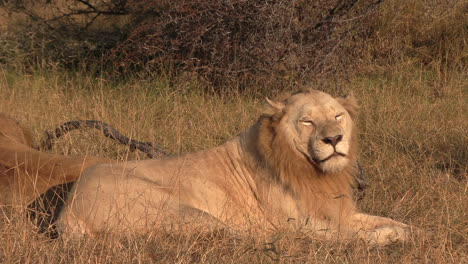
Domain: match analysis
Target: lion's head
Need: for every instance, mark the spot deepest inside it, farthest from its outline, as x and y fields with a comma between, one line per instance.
x=318, y=128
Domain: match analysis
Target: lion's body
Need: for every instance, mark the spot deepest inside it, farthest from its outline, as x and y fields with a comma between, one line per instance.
x=293, y=168
x=12, y=129
x=25, y=172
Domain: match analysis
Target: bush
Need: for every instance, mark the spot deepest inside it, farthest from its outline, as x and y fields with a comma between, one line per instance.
x=429, y=32
x=246, y=42
x=237, y=43
x=61, y=33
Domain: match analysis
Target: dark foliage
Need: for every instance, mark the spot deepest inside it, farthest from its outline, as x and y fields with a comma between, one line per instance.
x=238, y=44
x=245, y=42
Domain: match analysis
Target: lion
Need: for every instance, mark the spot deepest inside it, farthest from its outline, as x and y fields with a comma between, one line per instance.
x=292, y=169
x=26, y=172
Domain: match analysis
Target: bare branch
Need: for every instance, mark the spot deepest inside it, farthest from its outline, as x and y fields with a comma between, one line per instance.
x=86, y=3
x=150, y=149
x=112, y=10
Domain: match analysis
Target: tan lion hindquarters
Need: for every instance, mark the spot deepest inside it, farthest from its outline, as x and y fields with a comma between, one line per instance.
x=292, y=169
x=12, y=129
x=25, y=172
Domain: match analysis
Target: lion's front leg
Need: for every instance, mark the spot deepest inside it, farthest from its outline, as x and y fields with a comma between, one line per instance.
x=378, y=230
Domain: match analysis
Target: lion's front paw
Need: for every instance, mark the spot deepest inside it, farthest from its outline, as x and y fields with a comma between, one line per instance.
x=388, y=234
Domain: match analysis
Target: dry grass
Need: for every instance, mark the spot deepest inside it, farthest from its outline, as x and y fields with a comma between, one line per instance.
x=414, y=150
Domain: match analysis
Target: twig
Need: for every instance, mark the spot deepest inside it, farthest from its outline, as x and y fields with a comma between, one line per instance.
x=150, y=149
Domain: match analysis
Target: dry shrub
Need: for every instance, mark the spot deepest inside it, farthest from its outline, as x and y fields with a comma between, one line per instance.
x=238, y=44
x=431, y=33
x=46, y=48
x=224, y=42
x=59, y=33
x=267, y=43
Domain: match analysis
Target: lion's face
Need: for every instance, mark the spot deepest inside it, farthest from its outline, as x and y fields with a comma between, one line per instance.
x=318, y=128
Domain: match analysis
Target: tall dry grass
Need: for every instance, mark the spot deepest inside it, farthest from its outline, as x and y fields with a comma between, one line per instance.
x=413, y=149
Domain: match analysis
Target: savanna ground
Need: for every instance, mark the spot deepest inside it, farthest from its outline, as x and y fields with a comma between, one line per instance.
x=413, y=150
x=409, y=76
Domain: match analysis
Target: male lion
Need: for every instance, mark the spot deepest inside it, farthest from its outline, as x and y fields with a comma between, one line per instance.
x=293, y=167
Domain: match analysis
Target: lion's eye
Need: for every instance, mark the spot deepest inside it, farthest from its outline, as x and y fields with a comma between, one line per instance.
x=307, y=122
x=339, y=116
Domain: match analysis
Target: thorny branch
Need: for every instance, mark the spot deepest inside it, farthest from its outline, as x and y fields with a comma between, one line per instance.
x=113, y=8
x=150, y=149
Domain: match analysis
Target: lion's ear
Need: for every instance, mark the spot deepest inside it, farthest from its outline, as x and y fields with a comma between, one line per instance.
x=273, y=107
x=350, y=104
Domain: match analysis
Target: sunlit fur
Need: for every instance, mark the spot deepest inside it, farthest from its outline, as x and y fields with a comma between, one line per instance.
x=274, y=175
x=314, y=184
x=305, y=141
x=26, y=172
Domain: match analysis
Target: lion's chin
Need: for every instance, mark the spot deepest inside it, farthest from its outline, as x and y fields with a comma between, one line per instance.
x=333, y=164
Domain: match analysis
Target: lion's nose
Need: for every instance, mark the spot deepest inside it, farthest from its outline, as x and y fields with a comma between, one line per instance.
x=332, y=140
